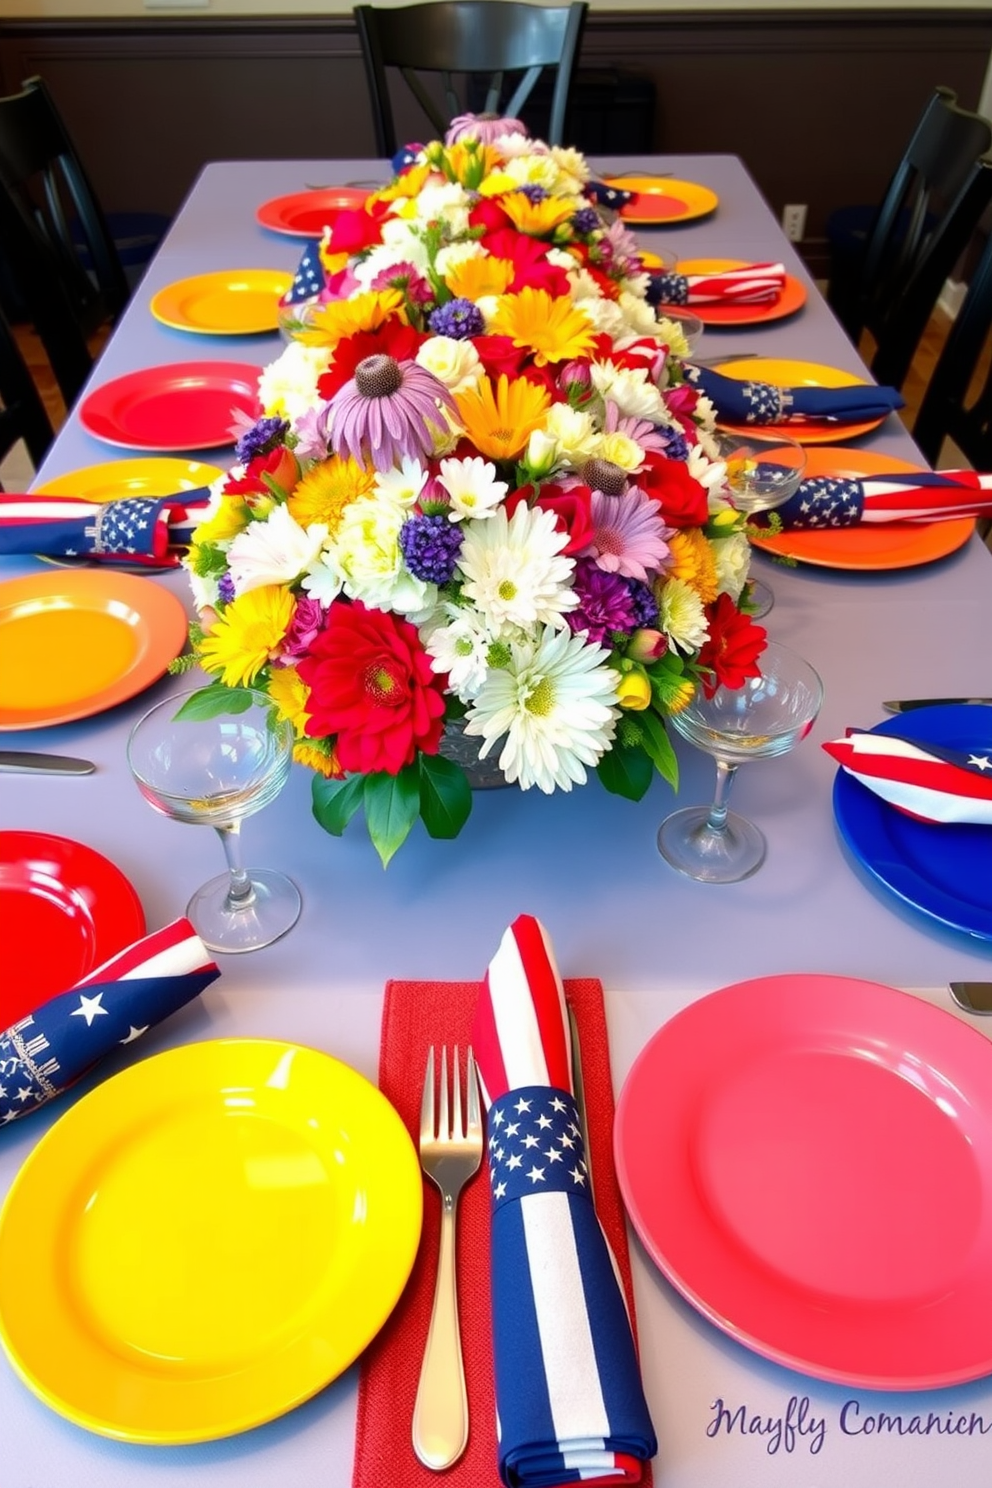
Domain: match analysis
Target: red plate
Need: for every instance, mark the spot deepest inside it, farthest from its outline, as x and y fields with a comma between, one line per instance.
x=305, y=214
x=181, y=406
x=808, y=1159
x=67, y=909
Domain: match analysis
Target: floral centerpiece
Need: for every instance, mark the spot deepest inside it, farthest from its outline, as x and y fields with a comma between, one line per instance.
x=482, y=497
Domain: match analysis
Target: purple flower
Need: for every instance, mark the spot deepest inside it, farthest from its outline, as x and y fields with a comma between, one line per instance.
x=408, y=278
x=644, y=603
x=459, y=319
x=605, y=603
x=225, y=587
x=309, y=619
x=586, y=220
x=260, y=438
x=311, y=433
x=388, y=412
x=431, y=546
x=533, y=193
x=629, y=534
x=675, y=444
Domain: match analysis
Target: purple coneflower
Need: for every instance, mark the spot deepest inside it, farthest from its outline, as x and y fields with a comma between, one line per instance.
x=605, y=603
x=642, y=431
x=629, y=534
x=387, y=412
x=487, y=128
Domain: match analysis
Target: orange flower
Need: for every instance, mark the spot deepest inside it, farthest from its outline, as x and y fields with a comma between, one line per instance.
x=500, y=421
x=548, y=325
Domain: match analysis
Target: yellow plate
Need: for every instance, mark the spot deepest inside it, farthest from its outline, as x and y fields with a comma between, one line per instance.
x=153, y=476
x=781, y=372
x=232, y=302
x=206, y=1240
x=73, y=643
x=663, y=200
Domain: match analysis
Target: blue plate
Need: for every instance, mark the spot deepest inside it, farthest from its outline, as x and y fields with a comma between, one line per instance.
x=943, y=870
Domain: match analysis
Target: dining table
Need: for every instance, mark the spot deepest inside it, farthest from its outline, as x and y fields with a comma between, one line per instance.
x=584, y=862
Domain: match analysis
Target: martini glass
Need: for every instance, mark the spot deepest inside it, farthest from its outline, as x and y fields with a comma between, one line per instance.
x=214, y=772
x=764, y=718
x=763, y=471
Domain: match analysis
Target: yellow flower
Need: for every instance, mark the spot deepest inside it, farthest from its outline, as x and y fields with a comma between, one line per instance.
x=243, y=638
x=540, y=218
x=326, y=489
x=470, y=162
x=289, y=692
x=331, y=322
x=694, y=562
x=475, y=277
x=318, y=755
x=499, y=422
x=410, y=183
x=227, y=521
x=674, y=693
x=634, y=691
x=549, y=325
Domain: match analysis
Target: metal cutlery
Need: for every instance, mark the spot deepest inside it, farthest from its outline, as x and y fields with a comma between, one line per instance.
x=974, y=997
x=905, y=705
x=29, y=762
x=450, y=1152
x=579, y=1087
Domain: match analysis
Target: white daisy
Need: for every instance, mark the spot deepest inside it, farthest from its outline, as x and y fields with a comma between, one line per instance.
x=276, y=551
x=514, y=570
x=402, y=484
x=472, y=486
x=325, y=580
x=630, y=388
x=287, y=387
x=554, y=706
x=458, y=647
x=682, y=616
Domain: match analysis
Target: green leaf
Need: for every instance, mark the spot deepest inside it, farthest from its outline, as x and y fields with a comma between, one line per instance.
x=211, y=701
x=659, y=747
x=392, y=805
x=626, y=772
x=445, y=796
x=335, y=802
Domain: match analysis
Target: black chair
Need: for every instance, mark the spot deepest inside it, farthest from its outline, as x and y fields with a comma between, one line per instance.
x=41, y=168
x=926, y=219
x=22, y=414
x=944, y=412
x=463, y=39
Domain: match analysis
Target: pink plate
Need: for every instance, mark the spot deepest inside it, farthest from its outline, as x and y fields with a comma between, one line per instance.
x=808, y=1159
x=178, y=407
x=305, y=214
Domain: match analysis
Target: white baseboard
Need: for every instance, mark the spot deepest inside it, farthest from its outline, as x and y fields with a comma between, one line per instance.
x=951, y=297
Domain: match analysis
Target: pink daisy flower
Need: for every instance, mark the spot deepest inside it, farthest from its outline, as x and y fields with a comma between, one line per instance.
x=387, y=412
x=629, y=534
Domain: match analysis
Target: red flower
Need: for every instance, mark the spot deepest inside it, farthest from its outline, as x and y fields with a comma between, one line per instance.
x=371, y=684
x=393, y=338
x=572, y=510
x=680, y=496
x=680, y=402
x=733, y=648
x=499, y=356
x=279, y=464
x=531, y=268
x=489, y=214
x=352, y=230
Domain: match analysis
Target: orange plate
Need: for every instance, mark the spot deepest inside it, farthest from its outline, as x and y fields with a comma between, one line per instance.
x=78, y=641
x=875, y=545
x=663, y=199
x=792, y=298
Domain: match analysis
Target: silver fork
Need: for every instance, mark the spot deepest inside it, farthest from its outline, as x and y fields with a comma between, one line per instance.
x=450, y=1152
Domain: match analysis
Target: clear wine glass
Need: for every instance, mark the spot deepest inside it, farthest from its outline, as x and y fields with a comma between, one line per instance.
x=213, y=771
x=765, y=717
x=763, y=471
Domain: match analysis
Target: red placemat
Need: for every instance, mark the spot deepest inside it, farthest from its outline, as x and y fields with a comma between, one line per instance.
x=415, y=1015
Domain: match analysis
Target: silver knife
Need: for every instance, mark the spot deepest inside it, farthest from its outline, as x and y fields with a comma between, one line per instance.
x=905, y=705
x=27, y=762
x=579, y=1089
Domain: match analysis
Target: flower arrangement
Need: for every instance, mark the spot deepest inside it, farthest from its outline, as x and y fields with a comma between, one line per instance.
x=482, y=496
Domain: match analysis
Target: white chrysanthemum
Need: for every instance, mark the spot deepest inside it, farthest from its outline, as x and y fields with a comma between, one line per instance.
x=453, y=361
x=571, y=163
x=458, y=647
x=454, y=254
x=533, y=170
x=512, y=145
x=555, y=704
x=682, y=616
x=636, y=284
x=367, y=548
x=638, y=315
x=401, y=485
x=567, y=261
x=733, y=560
x=631, y=389
x=514, y=571
x=405, y=239
x=205, y=588
x=672, y=332
x=325, y=580
x=385, y=257
x=605, y=317
x=711, y=473
x=276, y=551
x=443, y=201
x=472, y=486
x=573, y=432
x=287, y=387
x=621, y=450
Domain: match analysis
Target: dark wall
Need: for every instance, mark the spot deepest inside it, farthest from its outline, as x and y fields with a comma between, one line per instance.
x=818, y=104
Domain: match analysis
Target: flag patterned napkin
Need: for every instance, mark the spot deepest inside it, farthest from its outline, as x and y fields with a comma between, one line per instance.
x=750, y=284
x=43, y=1053
x=569, y=1399
x=739, y=401
x=310, y=279
x=837, y=501
x=925, y=781
x=136, y=529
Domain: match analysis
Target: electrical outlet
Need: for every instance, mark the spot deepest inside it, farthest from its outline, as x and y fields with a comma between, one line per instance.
x=794, y=223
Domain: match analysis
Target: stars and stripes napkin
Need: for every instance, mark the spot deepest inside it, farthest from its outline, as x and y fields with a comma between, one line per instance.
x=750, y=284
x=46, y=1051
x=310, y=279
x=135, y=529
x=741, y=401
x=837, y=501
x=569, y=1399
x=925, y=781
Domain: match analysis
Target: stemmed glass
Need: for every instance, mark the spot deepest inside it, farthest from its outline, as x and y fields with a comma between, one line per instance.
x=765, y=717
x=763, y=471
x=214, y=771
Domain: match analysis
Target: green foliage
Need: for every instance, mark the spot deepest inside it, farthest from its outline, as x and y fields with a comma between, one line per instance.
x=392, y=805
x=336, y=801
x=445, y=796
x=626, y=772
x=658, y=746
x=211, y=701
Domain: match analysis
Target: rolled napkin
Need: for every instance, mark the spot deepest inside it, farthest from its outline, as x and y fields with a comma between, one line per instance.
x=569, y=1397
x=918, y=496
x=740, y=401
x=750, y=284
x=136, y=529
x=610, y=197
x=45, y=1052
x=310, y=279
x=926, y=781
